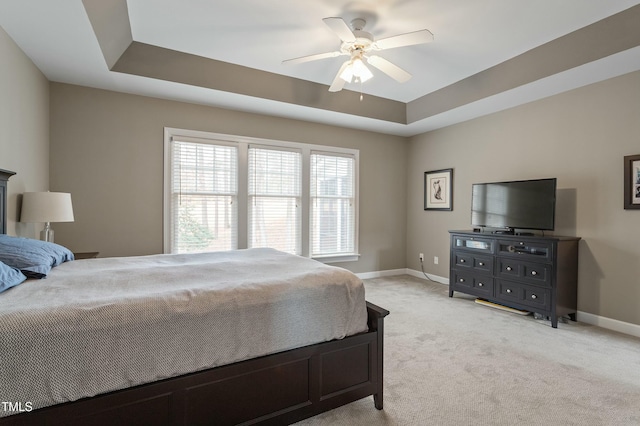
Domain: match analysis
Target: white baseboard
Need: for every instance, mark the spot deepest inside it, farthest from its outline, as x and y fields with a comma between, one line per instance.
x=587, y=318
x=432, y=277
x=609, y=323
x=404, y=271
x=379, y=274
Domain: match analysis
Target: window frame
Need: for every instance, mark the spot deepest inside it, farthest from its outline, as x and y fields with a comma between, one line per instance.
x=243, y=143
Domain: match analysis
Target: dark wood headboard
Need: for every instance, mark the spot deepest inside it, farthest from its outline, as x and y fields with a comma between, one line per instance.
x=4, y=177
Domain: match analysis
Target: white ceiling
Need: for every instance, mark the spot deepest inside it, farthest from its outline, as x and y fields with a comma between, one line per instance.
x=470, y=36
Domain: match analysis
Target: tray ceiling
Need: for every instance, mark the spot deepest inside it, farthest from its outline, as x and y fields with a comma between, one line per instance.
x=486, y=56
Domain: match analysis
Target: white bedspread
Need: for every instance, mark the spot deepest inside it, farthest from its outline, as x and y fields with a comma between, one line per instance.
x=99, y=325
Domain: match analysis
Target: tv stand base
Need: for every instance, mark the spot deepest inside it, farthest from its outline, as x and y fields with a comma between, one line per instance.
x=531, y=273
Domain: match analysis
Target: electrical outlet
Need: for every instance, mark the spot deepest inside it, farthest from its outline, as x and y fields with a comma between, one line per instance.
x=435, y=260
x=421, y=257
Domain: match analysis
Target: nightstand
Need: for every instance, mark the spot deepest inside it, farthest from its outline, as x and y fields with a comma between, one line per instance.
x=86, y=255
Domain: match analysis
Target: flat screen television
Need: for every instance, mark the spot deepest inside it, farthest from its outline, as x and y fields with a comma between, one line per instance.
x=524, y=204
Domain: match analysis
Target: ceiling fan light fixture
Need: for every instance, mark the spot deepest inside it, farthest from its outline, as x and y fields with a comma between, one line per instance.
x=357, y=69
x=361, y=71
x=347, y=74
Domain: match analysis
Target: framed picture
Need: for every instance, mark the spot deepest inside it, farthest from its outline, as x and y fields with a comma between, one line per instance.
x=632, y=182
x=438, y=190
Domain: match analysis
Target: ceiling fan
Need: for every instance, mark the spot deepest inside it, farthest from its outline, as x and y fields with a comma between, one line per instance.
x=359, y=46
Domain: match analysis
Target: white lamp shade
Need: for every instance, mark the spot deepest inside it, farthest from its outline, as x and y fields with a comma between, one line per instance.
x=347, y=74
x=358, y=69
x=46, y=207
x=361, y=71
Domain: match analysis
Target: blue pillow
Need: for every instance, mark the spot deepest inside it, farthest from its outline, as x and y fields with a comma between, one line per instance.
x=34, y=258
x=9, y=277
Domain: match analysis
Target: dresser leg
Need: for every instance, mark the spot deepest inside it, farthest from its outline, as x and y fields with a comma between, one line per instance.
x=554, y=321
x=450, y=293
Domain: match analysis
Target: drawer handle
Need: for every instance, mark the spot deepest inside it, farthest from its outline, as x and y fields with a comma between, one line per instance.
x=461, y=280
x=534, y=273
x=462, y=260
x=481, y=263
x=480, y=284
x=533, y=296
x=508, y=290
x=509, y=268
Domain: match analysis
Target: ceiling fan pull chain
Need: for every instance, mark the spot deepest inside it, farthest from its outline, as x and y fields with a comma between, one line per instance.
x=361, y=91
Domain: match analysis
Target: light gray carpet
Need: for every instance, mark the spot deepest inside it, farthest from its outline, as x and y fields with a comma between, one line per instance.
x=455, y=362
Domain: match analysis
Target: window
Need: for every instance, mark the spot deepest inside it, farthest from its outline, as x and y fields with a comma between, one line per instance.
x=203, y=197
x=274, y=199
x=332, y=204
x=225, y=192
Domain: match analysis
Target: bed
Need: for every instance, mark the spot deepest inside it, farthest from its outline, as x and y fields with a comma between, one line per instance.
x=315, y=362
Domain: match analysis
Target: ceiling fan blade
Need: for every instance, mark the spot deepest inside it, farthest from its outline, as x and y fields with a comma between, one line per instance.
x=341, y=28
x=407, y=39
x=390, y=69
x=309, y=58
x=338, y=83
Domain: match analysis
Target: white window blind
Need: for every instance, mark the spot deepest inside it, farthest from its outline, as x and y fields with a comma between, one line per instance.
x=204, y=191
x=332, y=204
x=274, y=198
x=224, y=192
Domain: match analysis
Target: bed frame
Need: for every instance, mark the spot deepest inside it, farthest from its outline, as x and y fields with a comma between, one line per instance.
x=276, y=389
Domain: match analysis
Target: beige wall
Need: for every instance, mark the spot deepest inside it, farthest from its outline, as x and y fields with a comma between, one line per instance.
x=580, y=137
x=24, y=129
x=107, y=150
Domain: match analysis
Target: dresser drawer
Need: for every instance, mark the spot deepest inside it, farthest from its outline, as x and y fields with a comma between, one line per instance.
x=529, y=250
x=470, y=283
x=470, y=260
x=535, y=273
x=522, y=294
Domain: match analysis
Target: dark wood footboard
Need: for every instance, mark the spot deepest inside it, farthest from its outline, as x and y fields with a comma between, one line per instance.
x=276, y=389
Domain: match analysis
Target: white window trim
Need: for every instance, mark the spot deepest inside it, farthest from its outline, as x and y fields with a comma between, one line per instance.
x=243, y=142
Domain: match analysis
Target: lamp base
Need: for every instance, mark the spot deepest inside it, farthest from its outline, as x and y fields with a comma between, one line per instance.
x=47, y=233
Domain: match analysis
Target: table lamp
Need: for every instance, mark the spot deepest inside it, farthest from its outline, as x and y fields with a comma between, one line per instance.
x=46, y=207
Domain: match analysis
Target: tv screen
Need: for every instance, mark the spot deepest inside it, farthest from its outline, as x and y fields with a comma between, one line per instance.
x=525, y=204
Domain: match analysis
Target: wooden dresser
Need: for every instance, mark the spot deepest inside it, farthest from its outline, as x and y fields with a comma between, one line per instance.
x=533, y=273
